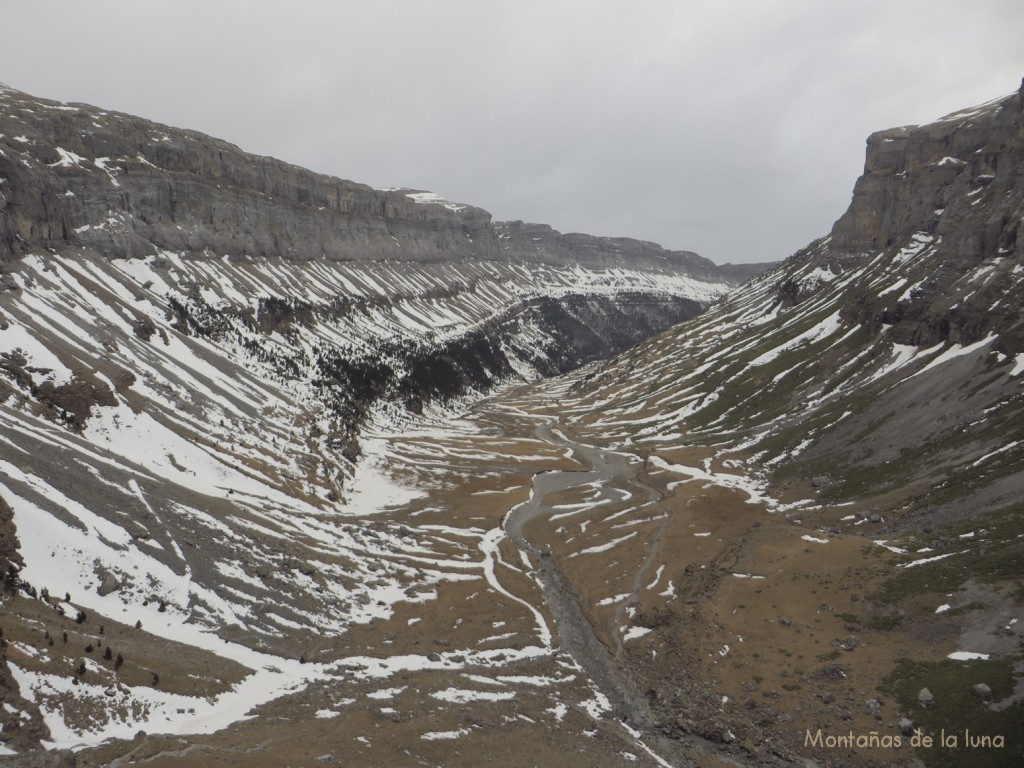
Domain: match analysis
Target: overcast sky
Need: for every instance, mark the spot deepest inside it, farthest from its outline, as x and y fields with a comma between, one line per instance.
x=735, y=129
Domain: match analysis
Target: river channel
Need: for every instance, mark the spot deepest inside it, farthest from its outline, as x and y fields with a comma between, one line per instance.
x=607, y=469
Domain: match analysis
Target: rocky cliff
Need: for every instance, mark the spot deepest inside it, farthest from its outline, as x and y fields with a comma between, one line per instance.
x=956, y=178
x=75, y=175
x=954, y=187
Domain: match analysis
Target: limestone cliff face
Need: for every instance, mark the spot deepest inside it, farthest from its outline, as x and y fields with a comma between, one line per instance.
x=944, y=203
x=126, y=187
x=75, y=175
x=931, y=179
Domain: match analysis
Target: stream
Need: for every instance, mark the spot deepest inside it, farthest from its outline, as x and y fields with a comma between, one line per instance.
x=575, y=633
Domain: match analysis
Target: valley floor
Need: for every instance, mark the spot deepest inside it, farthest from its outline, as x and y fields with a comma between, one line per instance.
x=595, y=603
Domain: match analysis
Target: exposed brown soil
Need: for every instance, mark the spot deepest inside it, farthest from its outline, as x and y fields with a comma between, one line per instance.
x=757, y=635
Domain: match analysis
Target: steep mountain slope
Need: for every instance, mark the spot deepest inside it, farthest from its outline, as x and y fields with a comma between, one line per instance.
x=868, y=392
x=198, y=348
x=354, y=294
x=885, y=356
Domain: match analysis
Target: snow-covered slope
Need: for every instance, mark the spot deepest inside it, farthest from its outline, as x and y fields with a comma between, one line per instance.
x=886, y=355
x=235, y=489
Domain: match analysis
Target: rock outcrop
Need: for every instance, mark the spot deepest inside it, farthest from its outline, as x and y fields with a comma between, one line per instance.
x=75, y=175
x=10, y=559
x=934, y=178
x=954, y=188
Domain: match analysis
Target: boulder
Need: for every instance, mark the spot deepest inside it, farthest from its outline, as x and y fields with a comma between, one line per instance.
x=983, y=692
x=108, y=583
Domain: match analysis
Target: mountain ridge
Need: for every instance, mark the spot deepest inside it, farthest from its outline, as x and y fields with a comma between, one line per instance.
x=175, y=181
x=243, y=250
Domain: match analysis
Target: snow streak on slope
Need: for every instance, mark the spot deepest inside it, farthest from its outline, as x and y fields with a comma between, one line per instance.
x=192, y=479
x=403, y=565
x=784, y=370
